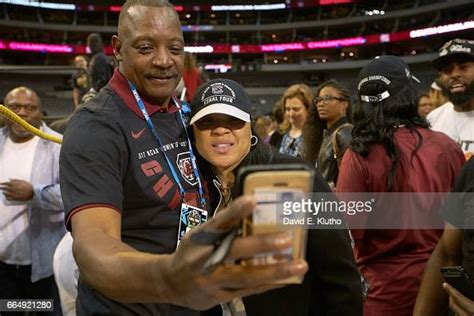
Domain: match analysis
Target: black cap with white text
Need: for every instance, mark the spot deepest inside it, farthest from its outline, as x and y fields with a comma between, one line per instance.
x=220, y=96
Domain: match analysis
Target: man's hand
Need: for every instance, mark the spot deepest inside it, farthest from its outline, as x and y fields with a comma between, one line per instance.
x=190, y=287
x=458, y=303
x=17, y=190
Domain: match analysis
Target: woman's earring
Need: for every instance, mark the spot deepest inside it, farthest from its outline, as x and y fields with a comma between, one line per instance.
x=253, y=140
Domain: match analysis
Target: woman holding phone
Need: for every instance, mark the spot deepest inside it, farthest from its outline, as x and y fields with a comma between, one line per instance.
x=225, y=141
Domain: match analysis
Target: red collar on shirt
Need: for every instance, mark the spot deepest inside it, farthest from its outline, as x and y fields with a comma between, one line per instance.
x=119, y=84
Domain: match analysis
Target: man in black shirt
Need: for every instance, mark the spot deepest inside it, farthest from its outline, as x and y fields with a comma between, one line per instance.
x=127, y=173
x=100, y=67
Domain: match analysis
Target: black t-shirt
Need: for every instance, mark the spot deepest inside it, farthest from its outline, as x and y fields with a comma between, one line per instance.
x=100, y=70
x=110, y=157
x=459, y=212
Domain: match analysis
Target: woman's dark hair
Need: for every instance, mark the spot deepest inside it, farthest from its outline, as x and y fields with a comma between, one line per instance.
x=259, y=154
x=314, y=127
x=375, y=123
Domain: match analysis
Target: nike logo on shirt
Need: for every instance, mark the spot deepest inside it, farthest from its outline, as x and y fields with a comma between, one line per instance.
x=138, y=134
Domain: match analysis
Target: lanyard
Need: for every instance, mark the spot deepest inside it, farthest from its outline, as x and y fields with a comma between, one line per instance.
x=142, y=108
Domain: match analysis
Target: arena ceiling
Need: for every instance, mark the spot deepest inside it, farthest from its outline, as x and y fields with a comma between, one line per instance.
x=177, y=2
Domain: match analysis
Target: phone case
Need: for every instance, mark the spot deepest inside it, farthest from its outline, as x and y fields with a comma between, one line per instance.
x=270, y=184
x=458, y=278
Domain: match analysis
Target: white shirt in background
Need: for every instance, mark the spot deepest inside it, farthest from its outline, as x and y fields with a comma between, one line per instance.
x=457, y=125
x=16, y=162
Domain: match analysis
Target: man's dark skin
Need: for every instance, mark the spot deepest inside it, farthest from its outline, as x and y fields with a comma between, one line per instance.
x=457, y=81
x=26, y=104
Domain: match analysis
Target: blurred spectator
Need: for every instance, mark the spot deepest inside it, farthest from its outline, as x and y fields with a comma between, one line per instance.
x=264, y=128
x=393, y=150
x=437, y=96
x=281, y=122
x=100, y=66
x=455, y=63
x=453, y=249
x=61, y=124
x=297, y=100
x=192, y=76
x=80, y=80
x=327, y=132
x=424, y=104
x=32, y=221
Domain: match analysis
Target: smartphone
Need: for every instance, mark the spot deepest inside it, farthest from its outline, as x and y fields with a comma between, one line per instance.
x=272, y=185
x=458, y=278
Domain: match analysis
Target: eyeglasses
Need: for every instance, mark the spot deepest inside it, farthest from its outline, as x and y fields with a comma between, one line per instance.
x=326, y=99
x=28, y=107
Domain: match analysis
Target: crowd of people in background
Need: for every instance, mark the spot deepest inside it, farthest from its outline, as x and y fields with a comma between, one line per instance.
x=151, y=137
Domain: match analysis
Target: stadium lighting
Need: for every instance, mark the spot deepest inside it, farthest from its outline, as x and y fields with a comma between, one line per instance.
x=375, y=12
x=242, y=7
x=337, y=43
x=180, y=8
x=282, y=47
x=199, y=49
x=442, y=29
x=37, y=4
x=257, y=49
x=332, y=2
x=222, y=68
x=38, y=47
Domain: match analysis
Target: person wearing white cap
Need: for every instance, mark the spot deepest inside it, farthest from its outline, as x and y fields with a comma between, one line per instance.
x=225, y=141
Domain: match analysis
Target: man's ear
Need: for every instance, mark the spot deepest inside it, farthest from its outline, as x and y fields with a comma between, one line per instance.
x=117, y=46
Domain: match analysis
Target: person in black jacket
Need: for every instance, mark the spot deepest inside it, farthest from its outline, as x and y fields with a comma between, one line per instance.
x=327, y=132
x=225, y=142
x=100, y=67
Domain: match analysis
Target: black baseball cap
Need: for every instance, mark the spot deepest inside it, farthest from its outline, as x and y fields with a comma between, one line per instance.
x=388, y=70
x=222, y=96
x=456, y=50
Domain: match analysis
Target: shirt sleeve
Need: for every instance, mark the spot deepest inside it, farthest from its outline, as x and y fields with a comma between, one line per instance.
x=93, y=161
